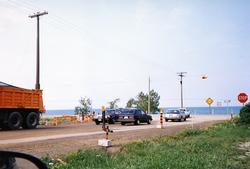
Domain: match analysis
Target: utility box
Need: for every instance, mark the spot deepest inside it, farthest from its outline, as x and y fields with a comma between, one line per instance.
x=104, y=143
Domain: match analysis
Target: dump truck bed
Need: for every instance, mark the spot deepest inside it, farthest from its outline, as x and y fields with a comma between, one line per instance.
x=12, y=97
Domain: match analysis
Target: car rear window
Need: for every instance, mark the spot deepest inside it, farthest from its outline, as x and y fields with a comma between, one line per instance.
x=173, y=112
x=127, y=112
x=110, y=111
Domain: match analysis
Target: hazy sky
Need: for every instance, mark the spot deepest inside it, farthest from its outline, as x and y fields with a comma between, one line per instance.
x=107, y=49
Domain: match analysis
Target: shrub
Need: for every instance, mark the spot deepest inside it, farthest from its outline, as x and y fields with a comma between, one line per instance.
x=245, y=114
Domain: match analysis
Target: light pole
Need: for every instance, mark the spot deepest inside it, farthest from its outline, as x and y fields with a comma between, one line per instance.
x=181, y=74
x=38, y=48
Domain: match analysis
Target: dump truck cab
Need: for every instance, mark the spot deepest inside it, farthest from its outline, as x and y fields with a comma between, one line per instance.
x=20, y=107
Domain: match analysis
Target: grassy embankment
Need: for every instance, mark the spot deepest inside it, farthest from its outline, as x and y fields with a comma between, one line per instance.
x=214, y=148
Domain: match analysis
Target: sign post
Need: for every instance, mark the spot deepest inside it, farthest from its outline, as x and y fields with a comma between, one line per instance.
x=103, y=117
x=161, y=118
x=242, y=98
x=161, y=126
x=209, y=101
x=105, y=142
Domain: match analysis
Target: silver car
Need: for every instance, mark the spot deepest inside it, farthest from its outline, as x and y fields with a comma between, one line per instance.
x=175, y=114
x=186, y=111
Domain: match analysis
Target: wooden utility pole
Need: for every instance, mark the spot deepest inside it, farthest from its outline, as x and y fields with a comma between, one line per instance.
x=181, y=74
x=149, y=95
x=37, y=15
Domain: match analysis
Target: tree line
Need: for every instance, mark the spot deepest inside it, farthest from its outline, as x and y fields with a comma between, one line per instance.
x=140, y=101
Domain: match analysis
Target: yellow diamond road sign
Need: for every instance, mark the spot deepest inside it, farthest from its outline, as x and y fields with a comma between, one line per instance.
x=209, y=101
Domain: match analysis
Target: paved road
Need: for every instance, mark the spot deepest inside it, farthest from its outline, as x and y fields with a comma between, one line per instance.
x=90, y=129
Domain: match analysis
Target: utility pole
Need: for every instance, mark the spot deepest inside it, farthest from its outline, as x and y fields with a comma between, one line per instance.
x=181, y=74
x=149, y=95
x=37, y=15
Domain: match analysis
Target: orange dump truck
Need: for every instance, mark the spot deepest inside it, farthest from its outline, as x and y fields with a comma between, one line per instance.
x=19, y=107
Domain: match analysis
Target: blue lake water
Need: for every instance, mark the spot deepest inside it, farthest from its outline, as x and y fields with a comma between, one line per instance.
x=194, y=110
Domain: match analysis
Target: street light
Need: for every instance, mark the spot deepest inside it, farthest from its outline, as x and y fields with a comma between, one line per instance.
x=204, y=77
x=182, y=74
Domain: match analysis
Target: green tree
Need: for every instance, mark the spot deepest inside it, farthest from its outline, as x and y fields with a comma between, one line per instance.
x=154, y=101
x=84, y=107
x=245, y=114
x=131, y=103
x=113, y=104
x=141, y=101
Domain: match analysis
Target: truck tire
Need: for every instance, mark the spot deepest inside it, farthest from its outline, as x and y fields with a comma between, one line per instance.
x=15, y=121
x=31, y=120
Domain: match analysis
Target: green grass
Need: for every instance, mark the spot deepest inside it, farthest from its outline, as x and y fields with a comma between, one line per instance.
x=213, y=148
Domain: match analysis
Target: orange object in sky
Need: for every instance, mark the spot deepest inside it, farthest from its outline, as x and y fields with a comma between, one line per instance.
x=204, y=77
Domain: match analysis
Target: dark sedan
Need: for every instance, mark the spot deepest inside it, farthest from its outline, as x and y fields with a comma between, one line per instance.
x=111, y=116
x=135, y=116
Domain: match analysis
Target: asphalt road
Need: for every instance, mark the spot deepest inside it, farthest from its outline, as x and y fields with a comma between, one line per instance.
x=58, y=140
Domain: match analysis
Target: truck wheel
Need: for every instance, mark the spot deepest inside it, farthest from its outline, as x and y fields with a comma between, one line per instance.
x=31, y=120
x=1, y=125
x=15, y=121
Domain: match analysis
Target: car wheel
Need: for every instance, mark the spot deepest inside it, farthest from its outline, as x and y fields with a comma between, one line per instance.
x=149, y=121
x=111, y=121
x=166, y=120
x=137, y=122
x=185, y=119
x=122, y=123
x=97, y=122
x=180, y=119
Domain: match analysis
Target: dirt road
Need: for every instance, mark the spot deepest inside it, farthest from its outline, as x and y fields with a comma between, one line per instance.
x=59, y=140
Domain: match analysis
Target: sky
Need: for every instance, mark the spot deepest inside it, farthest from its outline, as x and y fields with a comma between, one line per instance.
x=107, y=49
